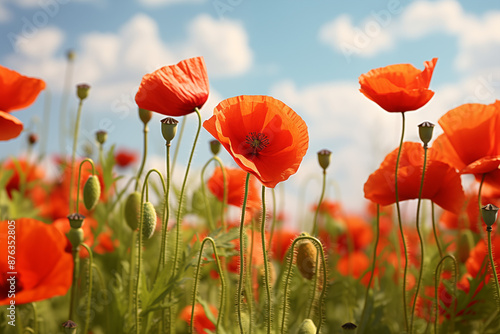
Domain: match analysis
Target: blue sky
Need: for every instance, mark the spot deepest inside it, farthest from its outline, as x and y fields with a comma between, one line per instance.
x=307, y=54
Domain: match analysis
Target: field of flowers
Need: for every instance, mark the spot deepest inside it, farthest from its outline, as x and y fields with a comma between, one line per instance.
x=94, y=250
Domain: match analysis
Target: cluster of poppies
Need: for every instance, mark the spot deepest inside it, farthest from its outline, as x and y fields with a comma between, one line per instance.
x=268, y=141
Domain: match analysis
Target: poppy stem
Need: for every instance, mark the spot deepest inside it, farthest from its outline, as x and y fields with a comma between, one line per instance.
x=78, y=180
x=436, y=284
x=493, y=268
x=290, y=256
x=144, y=155
x=242, y=257
x=434, y=229
x=398, y=209
x=73, y=155
x=315, y=221
x=211, y=224
x=266, y=264
x=166, y=213
x=196, y=279
x=44, y=138
x=372, y=270
x=274, y=219
x=422, y=256
x=89, y=294
x=179, y=138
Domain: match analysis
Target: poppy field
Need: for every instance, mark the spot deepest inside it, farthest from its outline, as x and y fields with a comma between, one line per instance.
x=106, y=248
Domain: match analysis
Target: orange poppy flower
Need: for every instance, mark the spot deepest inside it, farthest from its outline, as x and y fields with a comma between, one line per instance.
x=355, y=264
x=23, y=171
x=105, y=244
x=16, y=92
x=175, y=90
x=442, y=183
x=200, y=321
x=471, y=142
x=398, y=88
x=476, y=257
x=282, y=240
x=235, y=179
x=264, y=136
x=125, y=158
x=44, y=268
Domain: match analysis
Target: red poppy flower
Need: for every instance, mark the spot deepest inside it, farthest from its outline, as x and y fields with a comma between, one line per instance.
x=23, y=171
x=200, y=321
x=105, y=244
x=357, y=236
x=124, y=158
x=355, y=264
x=476, y=257
x=264, y=136
x=16, y=92
x=235, y=179
x=471, y=131
x=442, y=183
x=398, y=88
x=175, y=90
x=44, y=269
x=282, y=240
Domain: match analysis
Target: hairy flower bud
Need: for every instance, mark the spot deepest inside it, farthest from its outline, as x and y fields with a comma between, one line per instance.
x=132, y=207
x=149, y=220
x=306, y=259
x=91, y=192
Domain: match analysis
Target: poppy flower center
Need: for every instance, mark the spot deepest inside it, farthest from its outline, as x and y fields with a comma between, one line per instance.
x=257, y=142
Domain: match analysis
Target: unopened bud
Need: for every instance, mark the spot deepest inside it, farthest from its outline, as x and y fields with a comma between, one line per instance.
x=215, y=147
x=75, y=236
x=149, y=220
x=76, y=220
x=91, y=192
x=82, y=91
x=132, y=210
x=32, y=138
x=425, y=130
x=306, y=258
x=324, y=158
x=101, y=136
x=145, y=115
x=169, y=128
x=307, y=327
x=489, y=213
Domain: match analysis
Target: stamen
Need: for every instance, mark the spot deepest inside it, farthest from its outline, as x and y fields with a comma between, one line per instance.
x=257, y=141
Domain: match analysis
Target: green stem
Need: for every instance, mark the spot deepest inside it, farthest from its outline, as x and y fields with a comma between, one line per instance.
x=46, y=122
x=132, y=271
x=266, y=264
x=76, y=265
x=196, y=278
x=493, y=268
x=78, y=180
x=211, y=224
x=144, y=155
x=373, y=267
x=315, y=222
x=274, y=219
x=103, y=288
x=422, y=256
x=35, y=318
x=242, y=257
x=139, y=247
x=89, y=294
x=163, y=257
x=73, y=155
x=289, y=272
x=436, y=280
x=179, y=138
x=434, y=229
x=398, y=209
x=313, y=293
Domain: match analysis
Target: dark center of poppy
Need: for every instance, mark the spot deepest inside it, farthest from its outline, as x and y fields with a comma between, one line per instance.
x=257, y=142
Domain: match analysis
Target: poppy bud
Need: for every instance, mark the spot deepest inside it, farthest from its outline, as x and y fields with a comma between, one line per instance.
x=489, y=213
x=91, y=192
x=168, y=128
x=324, y=158
x=307, y=327
x=149, y=216
x=215, y=146
x=76, y=220
x=101, y=136
x=75, y=236
x=32, y=138
x=69, y=327
x=349, y=326
x=132, y=207
x=82, y=91
x=70, y=55
x=145, y=115
x=306, y=259
x=425, y=130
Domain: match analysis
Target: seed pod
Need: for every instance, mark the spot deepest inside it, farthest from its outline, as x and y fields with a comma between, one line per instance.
x=91, y=192
x=307, y=327
x=306, y=259
x=149, y=220
x=75, y=236
x=132, y=207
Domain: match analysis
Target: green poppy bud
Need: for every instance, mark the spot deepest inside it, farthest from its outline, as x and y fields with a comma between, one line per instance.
x=149, y=220
x=75, y=236
x=101, y=136
x=215, y=147
x=132, y=207
x=145, y=115
x=169, y=128
x=82, y=91
x=91, y=192
x=76, y=220
x=324, y=158
x=425, y=130
x=69, y=327
x=307, y=327
x=489, y=213
x=306, y=259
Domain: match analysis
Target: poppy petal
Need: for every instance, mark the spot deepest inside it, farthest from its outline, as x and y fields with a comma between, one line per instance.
x=10, y=127
x=17, y=91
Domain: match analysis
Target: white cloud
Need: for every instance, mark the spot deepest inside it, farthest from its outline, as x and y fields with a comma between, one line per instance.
x=153, y=3
x=42, y=45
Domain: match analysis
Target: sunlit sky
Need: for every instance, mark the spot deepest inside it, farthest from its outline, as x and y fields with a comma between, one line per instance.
x=309, y=54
